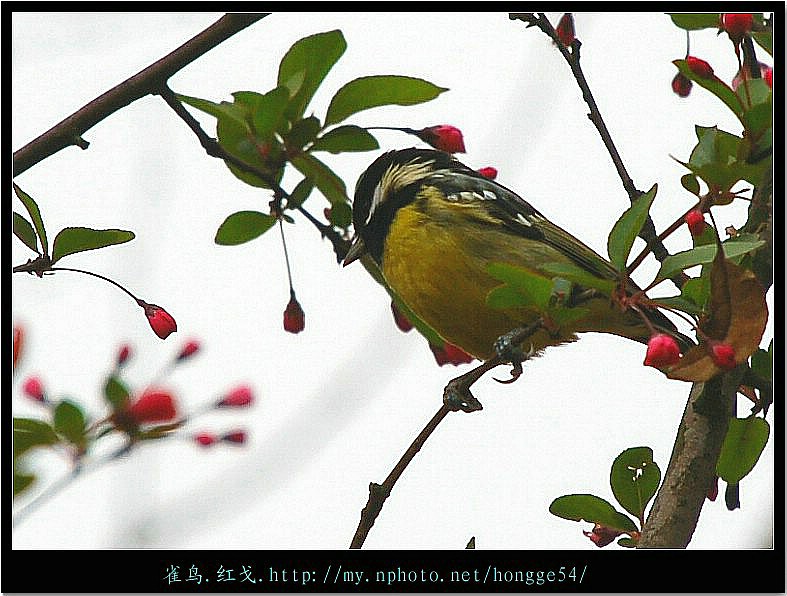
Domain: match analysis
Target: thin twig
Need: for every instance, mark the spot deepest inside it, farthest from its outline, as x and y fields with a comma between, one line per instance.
x=378, y=493
x=69, y=131
x=214, y=149
x=572, y=57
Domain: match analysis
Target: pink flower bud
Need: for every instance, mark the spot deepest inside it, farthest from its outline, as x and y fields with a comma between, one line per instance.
x=155, y=405
x=662, y=351
x=34, y=389
x=205, y=439
x=450, y=354
x=239, y=397
x=768, y=76
x=444, y=137
x=696, y=222
x=681, y=85
x=565, y=29
x=294, y=317
x=488, y=172
x=699, y=67
x=124, y=353
x=602, y=535
x=237, y=436
x=19, y=340
x=401, y=321
x=723, y=355
x=160, y=320
x=189, y=349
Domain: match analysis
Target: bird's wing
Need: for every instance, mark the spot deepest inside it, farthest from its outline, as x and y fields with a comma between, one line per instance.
x=466, y=185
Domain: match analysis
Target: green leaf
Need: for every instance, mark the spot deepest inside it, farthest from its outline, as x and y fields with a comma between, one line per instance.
x=115, y=392
x=715, y=85
x=593, y=509
x=243, y=226
x=693, y=22
x=224, y=109
x=311, y=58
x=346, y=138
x=22, y=481
x=29, y=433
x=381, y=90
x=634, y=479
x=23, y=230
x=35, y=216
x=719, y=158
x=690, y=183
x=626, y=229
x=627, y=542
x=533, y=289
x=762, y=363
x=759, y=116
x=742, y=447
x=578, y=275
x=268, y=113
x=326, y=181
x=680, y=303
x=69, y=421
x=302, y=132
x=300, y=193
x=765, y=40
x=73, y=240
x=341, y=215
x=705, y=254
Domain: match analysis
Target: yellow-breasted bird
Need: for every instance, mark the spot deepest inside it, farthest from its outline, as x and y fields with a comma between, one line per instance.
x=433, y=225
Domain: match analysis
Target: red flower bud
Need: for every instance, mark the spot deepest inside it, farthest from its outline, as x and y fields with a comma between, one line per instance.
x=696, y=222
x=160, y=320
x=602, y=535
x=565, y=29
x=237, y=436
x=237, y=398
x=294, y=318
x=768, y=76
x=681, y=85
x=488, y=172
x=401, y=321
x=699, y=67
x=450, y=354
x=723, y=355
x=737, y=24
x=155, y=405
x=205, y=439
x=713, y=491
x=444, y=137
x=192, y=347
x=124, y=353
x=662, y=351
x=34, y=389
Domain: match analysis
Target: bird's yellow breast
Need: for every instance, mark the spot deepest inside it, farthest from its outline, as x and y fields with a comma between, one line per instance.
x=438, y=266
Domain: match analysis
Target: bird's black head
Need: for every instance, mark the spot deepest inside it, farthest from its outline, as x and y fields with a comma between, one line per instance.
x=389, y=183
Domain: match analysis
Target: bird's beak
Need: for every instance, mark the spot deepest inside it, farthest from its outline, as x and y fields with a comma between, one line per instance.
x=357, y=250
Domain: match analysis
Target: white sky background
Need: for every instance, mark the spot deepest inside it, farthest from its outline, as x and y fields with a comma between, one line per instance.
x=340, y=402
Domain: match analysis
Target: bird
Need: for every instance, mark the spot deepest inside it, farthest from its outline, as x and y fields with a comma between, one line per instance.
x=433, y=226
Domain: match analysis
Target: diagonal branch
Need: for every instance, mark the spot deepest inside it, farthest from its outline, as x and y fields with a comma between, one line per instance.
x=571, y=55
x=214, y=149
x=69, y=131
x=457, y=391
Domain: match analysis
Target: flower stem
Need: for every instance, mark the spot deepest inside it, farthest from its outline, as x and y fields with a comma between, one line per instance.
x=114, y=283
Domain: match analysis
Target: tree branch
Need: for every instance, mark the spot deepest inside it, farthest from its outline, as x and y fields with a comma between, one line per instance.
x=571, y=55
x=69, y=131
x=214, y=149
x=457, y=391
x=692, y=467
